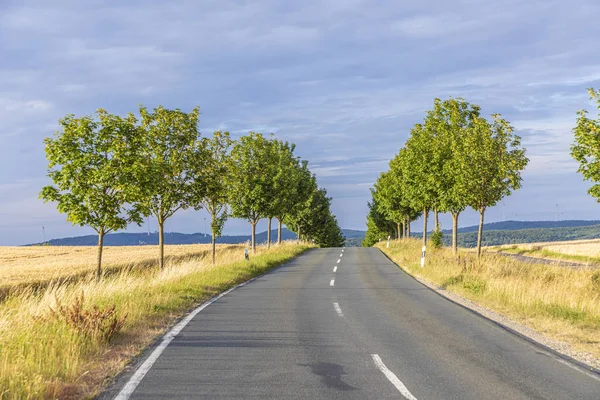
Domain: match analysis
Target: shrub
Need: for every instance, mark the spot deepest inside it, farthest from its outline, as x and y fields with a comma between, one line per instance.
x=437, y=238
x=97, y=323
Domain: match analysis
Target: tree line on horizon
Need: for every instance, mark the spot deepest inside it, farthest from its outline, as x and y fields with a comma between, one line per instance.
x=453, y=160
x=109, y=171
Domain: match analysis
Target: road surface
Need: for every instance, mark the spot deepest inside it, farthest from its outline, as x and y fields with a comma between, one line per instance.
x=365, y=331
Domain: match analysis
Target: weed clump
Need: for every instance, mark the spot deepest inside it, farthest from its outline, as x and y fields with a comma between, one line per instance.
x=96, y=323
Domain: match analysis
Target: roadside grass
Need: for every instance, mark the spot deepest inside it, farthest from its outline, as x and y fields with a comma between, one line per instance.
x=562, y=303
x=45, y=357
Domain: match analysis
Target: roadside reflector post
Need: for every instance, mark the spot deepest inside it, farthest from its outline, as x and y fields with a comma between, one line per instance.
x=246, y=256
x=423, y=256
x=388, y=243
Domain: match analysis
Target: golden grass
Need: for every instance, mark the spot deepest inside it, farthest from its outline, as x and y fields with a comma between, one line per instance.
x=38, y=263
x=590, y=248
x=562, y=303
x=41, y=357
x=587, y=251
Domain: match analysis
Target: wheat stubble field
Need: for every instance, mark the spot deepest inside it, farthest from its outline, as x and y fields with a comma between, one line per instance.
x=44, y=354
x=586, y=251
x=23, y=265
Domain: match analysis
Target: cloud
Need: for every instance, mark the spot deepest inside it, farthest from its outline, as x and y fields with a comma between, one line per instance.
x=344, y=80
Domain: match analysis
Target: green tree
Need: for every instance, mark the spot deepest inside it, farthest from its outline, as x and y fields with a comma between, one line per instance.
x=209, y=186
x=378, y=224
x=419, y=181
x=493, y=159
x=305, y=185
x=392, y=198
x=586, y=149
x=90, y=164
x=287, y=184
x=316, y=222
x=166, y=151
x=251, y=183
x=276, y=177
x=454, y=119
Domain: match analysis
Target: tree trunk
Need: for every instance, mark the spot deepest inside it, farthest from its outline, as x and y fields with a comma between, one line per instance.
x=253, y=236
x=214, y=248
x=435, y=219
x=299, y=233
x=100, y=247
x=279, y=230
x=408, y=229
x=269, y=232
x=454, y=232
x=480, y=231
x=214, y=239
x=161, y=243
x=425, y=215
x=399, y=231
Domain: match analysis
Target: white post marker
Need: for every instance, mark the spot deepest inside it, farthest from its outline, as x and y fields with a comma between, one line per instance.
x=388, y=243
x=423, y=256
x=392, y=378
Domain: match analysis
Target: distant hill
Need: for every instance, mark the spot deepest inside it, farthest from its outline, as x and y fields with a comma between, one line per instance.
x=135, y=239
x=499, y=237
x=509, y=232
x=494, y=233
x=518, y=225
x=352, y=233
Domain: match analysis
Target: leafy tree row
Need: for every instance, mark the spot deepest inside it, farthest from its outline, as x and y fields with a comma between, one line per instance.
x=453, y=160
x=110, y=171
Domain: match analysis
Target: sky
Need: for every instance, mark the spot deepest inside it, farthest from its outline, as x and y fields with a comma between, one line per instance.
x=343, y=79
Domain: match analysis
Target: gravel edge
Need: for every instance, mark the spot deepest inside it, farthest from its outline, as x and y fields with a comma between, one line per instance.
x=558, y=346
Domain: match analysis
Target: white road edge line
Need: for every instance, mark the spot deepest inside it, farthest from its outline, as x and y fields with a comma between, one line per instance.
x=137, y=377
x=568, y=364
x=338, y=310
x=332, y=282
x=392, y=378
x=339, y=260
x=335, y=268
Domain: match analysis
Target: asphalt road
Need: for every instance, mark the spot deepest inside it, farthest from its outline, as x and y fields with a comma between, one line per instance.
x=365, y=331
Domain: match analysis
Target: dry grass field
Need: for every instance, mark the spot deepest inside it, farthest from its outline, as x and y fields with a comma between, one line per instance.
x=575, y=250
x=23, y=265
x=562, y=303
x=43, y=356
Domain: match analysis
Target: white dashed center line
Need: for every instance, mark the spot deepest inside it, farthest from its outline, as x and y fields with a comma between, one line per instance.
x=339, y=260
x=335, y=268
x=392, y=378
x=332, y=282
x=338, y=310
